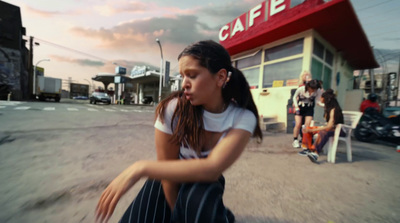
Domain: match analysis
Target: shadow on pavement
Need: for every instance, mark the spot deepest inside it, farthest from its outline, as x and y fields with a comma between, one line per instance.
x=255, y=219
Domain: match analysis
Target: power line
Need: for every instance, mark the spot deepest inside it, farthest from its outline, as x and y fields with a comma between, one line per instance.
x=70, y=49
x=379, y=34
x=381, y=3
x=385, y=18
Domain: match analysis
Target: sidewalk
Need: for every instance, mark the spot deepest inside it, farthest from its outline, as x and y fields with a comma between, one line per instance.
x=271, y=183
x=46, y=179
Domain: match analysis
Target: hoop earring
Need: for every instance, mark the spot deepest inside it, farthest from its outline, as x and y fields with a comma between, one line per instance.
x=227, y=79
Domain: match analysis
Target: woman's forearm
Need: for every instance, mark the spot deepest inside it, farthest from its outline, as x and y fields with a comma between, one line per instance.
x=193, y=170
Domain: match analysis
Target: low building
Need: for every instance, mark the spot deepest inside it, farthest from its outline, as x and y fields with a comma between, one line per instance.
x=14, y=56
x=275, y=41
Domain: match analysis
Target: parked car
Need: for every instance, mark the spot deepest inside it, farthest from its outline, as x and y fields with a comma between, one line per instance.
x=147, y=99
x=100, y=97
x=81, y=98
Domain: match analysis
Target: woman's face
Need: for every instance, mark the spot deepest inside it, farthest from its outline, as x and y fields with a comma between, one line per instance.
x=307, y=77
x=199, y=85
x=310, y=90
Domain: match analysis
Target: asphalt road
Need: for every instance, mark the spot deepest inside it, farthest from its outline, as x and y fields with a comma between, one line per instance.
x=56, y=159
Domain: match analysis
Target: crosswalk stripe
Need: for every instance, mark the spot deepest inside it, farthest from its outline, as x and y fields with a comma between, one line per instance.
x=11, y=103
x=49, y=109
x=72, y=109
x=110, y=110
x=2, y=107
x=92, y=109
x=22, y=108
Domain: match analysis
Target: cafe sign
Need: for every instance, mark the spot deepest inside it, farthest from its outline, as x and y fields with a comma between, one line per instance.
x=271, y=12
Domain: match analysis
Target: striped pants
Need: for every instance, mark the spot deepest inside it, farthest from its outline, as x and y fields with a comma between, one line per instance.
x=196, y=203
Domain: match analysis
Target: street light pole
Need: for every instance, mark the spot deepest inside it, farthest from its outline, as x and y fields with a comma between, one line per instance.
x=89, y=85
x=161, y=71
x=34, y=74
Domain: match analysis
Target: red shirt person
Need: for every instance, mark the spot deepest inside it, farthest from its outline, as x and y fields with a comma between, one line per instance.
x=370, y=102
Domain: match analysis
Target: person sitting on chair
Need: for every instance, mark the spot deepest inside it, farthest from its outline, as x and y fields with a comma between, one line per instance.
x=333, y=115
x=370, y=102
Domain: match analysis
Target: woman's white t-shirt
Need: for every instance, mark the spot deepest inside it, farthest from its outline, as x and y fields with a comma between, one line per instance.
x=233, y=117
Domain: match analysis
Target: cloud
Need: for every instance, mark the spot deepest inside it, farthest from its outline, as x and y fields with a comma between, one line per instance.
x=82, y=62
x=112, y=8
x=47, y=14
x=182, y=29
x=42, y=13
x=121, y=7
x=224, y=13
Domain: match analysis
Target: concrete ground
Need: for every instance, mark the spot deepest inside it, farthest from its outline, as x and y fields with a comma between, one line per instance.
x=269, y=183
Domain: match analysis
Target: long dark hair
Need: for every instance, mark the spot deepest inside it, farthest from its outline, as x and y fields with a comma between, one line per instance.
x=331, y=103
x=313, y=84
x=214, y=57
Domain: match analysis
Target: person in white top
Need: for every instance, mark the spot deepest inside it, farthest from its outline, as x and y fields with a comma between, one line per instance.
x=200, y=131
x=304, y=100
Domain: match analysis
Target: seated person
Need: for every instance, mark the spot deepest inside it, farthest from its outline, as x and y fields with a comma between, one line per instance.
x=370, y=102
x=333, y=116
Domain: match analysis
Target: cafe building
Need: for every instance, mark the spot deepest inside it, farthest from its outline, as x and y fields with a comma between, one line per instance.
x=276, y=40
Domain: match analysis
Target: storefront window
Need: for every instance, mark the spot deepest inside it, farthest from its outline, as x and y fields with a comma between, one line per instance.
x=318, y=49
x=282, y=71
x=285, y=50
x=327, y=77
x=328, y=57
x=294, y=3
x=316, y=69
x=252, y=76
x=321, y=71
x=249, y=61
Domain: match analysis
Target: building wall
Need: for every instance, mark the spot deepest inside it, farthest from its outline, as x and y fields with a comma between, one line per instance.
x=11, y=77
x=272, y=101
x=13, y=66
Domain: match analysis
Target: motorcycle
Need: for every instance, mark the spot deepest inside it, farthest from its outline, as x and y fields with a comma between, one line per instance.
x=374, y=125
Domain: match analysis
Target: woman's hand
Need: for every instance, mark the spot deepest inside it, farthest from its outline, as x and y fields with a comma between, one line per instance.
x=115, y=190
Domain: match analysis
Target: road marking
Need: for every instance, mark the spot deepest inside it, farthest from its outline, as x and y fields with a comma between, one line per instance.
x=11, y=103
x=92, y=109
x=72, y=109
x=22, y=108
x=49, y=109
x=124, y=110
x=2, y=107
x=110, y=110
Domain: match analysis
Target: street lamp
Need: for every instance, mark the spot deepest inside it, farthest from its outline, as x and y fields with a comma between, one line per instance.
x=89, y=85
x=161, y=71
x=34, y=74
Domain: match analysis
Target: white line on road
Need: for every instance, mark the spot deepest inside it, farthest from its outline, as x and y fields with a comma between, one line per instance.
x=92, y=109
x=49, y=109
x=11, y=103
x=72, y=109
x=2, y=107
x=110, y=110
x=22, y=108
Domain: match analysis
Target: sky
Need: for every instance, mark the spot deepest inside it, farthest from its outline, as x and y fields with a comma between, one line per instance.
x=85, y=37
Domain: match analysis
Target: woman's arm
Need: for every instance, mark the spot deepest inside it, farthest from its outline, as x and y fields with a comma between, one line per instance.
x=225, y=153
x=295, y=97
x=329, y=126
x=208, y=169
x=318, y=97
x=167, y=151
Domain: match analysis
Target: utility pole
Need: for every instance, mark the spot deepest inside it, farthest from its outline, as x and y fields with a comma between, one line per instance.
x=397, y=83
x=30, y=68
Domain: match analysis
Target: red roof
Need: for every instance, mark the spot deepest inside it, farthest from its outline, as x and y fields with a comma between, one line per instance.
x=335, y=21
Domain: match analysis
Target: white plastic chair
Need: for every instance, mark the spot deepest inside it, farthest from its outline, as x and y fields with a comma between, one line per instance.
x=351, y=119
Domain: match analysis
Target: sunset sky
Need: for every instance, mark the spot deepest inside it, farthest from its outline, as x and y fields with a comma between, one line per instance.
x=84, y=37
